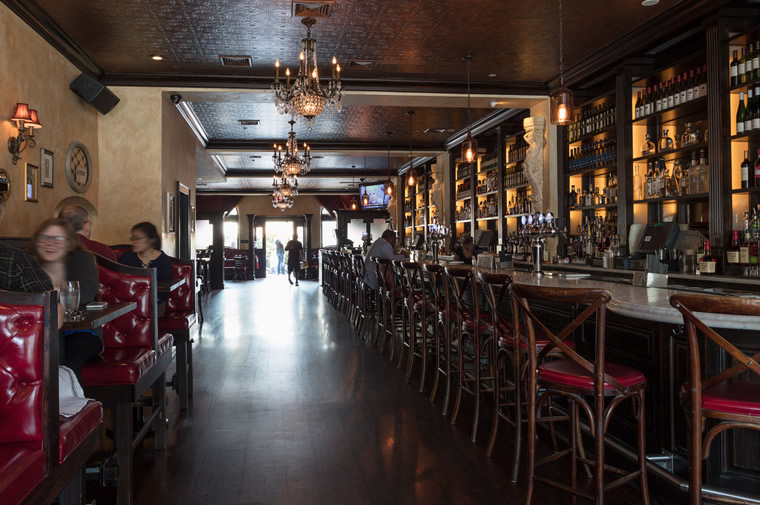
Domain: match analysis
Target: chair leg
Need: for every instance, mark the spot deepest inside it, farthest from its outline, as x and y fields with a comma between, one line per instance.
x=518, y=417
x=159, y=402
x=123, y=442
x=424, y=343
x=190, y=367
x=642, y=450
x=437, y=338
x=73, y=493
x=531, y=438
x=182, y=373
x=460, y=380
x=476, y=419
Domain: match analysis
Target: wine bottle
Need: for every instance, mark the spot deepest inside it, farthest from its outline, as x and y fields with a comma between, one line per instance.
x=756, y=182
x=745, y=169
x=735, y=69
x=638, y=106
x=743, y=67
x=708, y=263
x=756, y=62
x=690, y=87
x=741, y=112
x=749, y=65
x=683, y=88
x=756, y=110
x=658, y=98
x=749, y=112
x=677, y=92
x=648, y=104
x=671, y=98
x=695, y=84
x=703, y=82
x=732, y=255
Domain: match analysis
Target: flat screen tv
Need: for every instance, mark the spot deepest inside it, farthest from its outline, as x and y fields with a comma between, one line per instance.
x=378, y=199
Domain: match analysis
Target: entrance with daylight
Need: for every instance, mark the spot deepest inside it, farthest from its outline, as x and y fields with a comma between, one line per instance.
x=267, y=230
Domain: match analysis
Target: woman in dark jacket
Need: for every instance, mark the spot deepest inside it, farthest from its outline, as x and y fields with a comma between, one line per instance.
x=56, y=247
x=146, y=253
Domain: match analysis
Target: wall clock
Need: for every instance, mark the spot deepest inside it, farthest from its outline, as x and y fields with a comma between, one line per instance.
x=78, y=167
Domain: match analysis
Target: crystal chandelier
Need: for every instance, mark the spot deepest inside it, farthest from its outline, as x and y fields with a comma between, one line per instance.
x=288, y=161
x=284, y=187
x=282, y=203
x=306, y=96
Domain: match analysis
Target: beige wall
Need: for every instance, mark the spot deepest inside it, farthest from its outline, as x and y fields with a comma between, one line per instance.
x=32, y=72
x=262, y=206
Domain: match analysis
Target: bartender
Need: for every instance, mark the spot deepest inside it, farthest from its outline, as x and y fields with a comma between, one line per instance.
x=465, y=250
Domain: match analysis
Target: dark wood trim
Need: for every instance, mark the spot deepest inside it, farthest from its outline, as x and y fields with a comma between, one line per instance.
x=501, y=203
x=720, y=187
x=266, y=173
x=268, y=192
x=484, y=125
x=265, y=145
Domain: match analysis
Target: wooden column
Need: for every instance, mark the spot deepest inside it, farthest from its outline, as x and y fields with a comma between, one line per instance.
x=720, y=164
x=217, y=257
x=500, y=200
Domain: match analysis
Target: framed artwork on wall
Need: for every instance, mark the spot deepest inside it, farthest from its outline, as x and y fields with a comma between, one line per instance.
x=47, y=170
x=192, y=219
x=5, y=185
x=171, y=213
x=31, y=176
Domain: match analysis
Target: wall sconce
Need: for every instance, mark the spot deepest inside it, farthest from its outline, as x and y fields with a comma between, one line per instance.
x=26, y=121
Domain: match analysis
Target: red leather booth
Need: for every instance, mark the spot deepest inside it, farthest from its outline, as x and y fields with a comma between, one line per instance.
x=178, y=320
x=41, y=454
x=134, y=360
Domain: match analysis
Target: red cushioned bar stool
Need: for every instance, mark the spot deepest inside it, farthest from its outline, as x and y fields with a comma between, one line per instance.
x=724, y=397
x=597, y=387
x=389, y=299
x=475, y=342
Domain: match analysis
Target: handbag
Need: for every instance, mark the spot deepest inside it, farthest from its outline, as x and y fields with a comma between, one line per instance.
x=304, y=265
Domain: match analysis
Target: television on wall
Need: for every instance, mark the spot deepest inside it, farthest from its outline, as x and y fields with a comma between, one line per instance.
x=378, y=199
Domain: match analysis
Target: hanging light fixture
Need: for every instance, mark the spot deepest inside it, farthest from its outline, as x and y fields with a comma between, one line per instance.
x=365, y=196
x=411, y=179
x=288, y=161
x=561, y=98
x=389, y=187
x=470, y=145
x=354, y=204
x=306, y=96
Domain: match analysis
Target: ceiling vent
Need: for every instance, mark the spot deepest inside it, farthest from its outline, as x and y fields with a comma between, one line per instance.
x=255, y=157
x=321, y=9
x=439, y=130
x=248, y=122
x=361, y=64
x=236, y=61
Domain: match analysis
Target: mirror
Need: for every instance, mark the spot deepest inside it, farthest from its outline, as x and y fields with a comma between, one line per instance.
x=5, y=185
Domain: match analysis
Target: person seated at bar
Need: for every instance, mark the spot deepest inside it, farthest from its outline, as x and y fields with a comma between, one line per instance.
x=57, y=249
x=79, y=219
x=146, y=253
x=465, y=250
x=381, y=248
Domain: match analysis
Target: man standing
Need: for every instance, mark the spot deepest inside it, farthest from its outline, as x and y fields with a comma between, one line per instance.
x=295, y=253
x=382, y=248
x=280, y=249
x=78, y=218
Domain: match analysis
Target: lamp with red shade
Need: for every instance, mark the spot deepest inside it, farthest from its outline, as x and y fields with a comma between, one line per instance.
x=27, y=121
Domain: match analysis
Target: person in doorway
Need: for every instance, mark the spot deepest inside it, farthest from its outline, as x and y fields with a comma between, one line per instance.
x=295, y=254
x=381, y=248
x=79, y=219
x=280, y=249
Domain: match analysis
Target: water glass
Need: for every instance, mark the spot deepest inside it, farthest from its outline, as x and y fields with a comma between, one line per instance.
x=70, y=297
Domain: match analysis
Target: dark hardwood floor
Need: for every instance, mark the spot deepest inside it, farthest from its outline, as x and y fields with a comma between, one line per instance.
x=291, y=408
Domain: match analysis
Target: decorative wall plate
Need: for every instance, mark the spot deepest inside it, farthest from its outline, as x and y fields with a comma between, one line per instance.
x=5, y=185
x=78, y=167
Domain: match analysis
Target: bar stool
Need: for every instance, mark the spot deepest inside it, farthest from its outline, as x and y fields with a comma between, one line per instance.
x=444, y=328
x=577, y=380
x=733, y=403
x=475, y=342
x=420, y=312
x=389, y=304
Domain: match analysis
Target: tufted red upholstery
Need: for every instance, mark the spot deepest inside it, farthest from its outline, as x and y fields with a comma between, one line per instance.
x=121, y=365
x=74, y=430
x=134, y=328
x=165, y=343
x=21, y=386
x=182, y=299
x=567, y=371
x=22, y=467
x=734, y=397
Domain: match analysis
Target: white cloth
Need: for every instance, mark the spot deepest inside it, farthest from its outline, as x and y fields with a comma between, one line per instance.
x=70, y=394
x=380, y=249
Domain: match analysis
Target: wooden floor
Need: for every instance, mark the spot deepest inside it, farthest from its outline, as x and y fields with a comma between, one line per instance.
x=291, y=408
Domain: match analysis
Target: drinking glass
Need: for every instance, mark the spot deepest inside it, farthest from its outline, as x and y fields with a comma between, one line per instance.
x=70, y=296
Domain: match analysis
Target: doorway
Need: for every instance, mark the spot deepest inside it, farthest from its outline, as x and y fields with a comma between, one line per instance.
x=282, y=232
x=266, y=231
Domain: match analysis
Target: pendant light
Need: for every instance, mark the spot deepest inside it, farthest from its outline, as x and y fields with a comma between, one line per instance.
x=353, y=198
x=389, y=187
x=411, y=180
x=561, y=98
x=470, y=145
x=365, y=196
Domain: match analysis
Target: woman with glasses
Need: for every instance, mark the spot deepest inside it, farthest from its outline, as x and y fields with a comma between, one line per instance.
x=146, y=253
x=57, y=249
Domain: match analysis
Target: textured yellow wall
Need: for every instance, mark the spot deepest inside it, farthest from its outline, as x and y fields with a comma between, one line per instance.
x=32, y=72
x=130, y=153
x=262, y=206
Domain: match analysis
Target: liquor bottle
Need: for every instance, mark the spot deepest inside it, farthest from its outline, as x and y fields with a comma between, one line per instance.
x=703, y=82
x=648, y=146
x=708, y=264
x=677, y=178
x=741, y=113
x=696, y=84
x=685, y=181
x=756, y=110
x=735, y=69
x=745, y=169
x=748, y=66
x=666, y=143
x=693, y=175
x=573, y=197
x=590, y=196
x=656, y=179
x=742, y=68
x=648, y=184
x=744, y=248
x=683, y=88
x=732, y=254
x=756, y=182
x=703, y=174
x=748, y=112
x=638, y=106
x=637, y=184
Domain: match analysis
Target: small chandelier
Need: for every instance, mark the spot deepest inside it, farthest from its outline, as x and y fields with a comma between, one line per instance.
x=561, y=98
x=289, y=162
x=306, y=96
x=283, y=187
x=470, y=145
x=282, y=203
x=389, y=187
x=411, y=180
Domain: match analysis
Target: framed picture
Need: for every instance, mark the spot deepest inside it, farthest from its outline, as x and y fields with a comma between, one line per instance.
x=171, y=213
x=46, y=172
x=31, y=176
x=192, y=219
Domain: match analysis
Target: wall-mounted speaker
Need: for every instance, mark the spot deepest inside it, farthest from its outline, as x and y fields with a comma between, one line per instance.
x=94, y=93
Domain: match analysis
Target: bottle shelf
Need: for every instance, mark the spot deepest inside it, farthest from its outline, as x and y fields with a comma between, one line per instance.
x=463, y=221
x=489, y=169
x=513, y=216
x=595, y=207
x=463, y=197
x=745, y=190
x=519, y=186
x=675, y=114
x=682, y=198
x=673, y=153
x=735, y=90
x=487, y=193
x=753, y=136
x=516, y=162
x=591, y=136
x=595, y=171
x=492, y=218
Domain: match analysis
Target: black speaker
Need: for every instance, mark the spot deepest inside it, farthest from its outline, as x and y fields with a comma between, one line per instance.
x=94, y=93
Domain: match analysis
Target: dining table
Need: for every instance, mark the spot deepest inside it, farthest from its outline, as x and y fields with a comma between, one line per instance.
x=91, y=319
